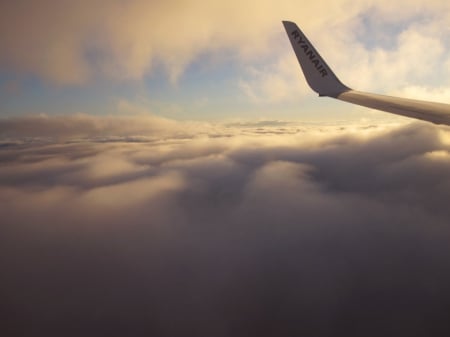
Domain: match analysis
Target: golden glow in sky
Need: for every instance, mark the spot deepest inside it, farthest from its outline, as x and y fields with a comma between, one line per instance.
x=214, y=61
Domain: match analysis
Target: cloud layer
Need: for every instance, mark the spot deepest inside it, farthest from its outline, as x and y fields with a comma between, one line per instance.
x=272, y=229
x=72, y=42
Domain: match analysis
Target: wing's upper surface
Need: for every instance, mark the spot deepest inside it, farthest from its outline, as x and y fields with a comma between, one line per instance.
x=322, y=80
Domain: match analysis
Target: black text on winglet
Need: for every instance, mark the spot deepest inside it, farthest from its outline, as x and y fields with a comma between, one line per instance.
x=322, y=80
x=318, y=74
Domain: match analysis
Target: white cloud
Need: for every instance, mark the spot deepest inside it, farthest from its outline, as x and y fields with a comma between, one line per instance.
x=434, y=94
x=281, y=81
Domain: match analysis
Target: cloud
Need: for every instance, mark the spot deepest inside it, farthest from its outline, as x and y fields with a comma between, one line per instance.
x=381, y=47
x=438, y=94
x=75, y=42
x=274, y=83
x=70, y=43
x=320, y=230
x=84, y=125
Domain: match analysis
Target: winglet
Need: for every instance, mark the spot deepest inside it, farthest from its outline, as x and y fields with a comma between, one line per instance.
x=318, y=74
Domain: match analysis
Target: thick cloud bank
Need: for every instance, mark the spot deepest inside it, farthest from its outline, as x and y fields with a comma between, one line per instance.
x=263, y=230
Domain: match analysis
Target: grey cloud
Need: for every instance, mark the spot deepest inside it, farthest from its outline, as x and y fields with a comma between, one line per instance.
x=83, y=125
x=318, y=234
x=260, y=124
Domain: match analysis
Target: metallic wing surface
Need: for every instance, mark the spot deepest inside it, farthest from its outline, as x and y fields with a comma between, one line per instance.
x=322, y=80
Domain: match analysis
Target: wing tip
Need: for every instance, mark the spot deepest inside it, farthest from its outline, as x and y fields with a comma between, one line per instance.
x=317, y=73
x=287, y=23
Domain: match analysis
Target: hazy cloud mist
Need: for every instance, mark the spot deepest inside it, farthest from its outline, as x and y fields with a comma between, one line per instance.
x=271, y=229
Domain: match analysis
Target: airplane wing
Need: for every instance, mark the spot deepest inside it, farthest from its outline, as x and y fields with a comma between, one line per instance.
x=322, y=80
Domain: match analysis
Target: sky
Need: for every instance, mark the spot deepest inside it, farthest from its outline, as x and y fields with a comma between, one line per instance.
x=166, y=171
x=188, y=60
